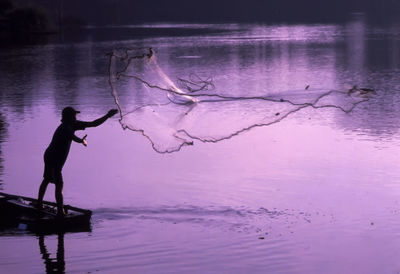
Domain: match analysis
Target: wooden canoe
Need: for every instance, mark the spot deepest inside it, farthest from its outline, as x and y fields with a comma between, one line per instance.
x=20, y=210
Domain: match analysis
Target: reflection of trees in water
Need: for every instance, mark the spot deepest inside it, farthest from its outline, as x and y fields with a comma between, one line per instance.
x=61, y=75
x=3, y=131
x=372, y=63
x=65, y=74
x=377, y=118
x=57, y=264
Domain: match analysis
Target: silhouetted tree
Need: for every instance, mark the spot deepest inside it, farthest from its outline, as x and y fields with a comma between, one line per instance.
x=5, y=6
x=28, y=20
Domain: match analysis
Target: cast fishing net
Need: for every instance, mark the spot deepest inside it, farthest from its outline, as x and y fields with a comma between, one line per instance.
x=173, y=113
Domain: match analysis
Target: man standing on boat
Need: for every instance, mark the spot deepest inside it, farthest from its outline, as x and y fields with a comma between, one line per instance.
x=57, y=152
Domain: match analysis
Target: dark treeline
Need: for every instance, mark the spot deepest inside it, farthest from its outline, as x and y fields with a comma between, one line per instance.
x=108, y=12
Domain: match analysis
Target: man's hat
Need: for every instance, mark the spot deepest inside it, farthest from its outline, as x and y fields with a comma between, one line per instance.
x=68, y=112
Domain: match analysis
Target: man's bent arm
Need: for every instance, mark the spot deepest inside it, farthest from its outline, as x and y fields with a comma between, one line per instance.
x=77, y=139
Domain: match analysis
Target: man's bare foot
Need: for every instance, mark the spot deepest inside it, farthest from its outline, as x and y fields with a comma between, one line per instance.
x=61, y=213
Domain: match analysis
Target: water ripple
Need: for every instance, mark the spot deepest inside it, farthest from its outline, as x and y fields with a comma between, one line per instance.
x=246, y=220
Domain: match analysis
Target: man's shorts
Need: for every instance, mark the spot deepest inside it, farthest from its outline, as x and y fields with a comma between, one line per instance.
x=52, y=172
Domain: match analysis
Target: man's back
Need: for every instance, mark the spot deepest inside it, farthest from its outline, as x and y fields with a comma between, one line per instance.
x=59, y=147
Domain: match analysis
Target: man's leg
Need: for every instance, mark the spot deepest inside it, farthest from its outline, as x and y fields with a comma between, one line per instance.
x=42, y=191
x=59, y=196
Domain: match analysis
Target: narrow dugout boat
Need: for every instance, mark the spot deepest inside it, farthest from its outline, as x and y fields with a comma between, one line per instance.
x=22, y=211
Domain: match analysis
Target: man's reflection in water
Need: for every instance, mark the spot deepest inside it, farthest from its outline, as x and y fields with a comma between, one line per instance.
x=53, y=265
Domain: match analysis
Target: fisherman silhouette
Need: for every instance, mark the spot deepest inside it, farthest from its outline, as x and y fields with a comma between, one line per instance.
x=57, y=152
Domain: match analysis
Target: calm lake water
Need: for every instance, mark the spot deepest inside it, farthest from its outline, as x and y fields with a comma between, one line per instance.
x=318, y=192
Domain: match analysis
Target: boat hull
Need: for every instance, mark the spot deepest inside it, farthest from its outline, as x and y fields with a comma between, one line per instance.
x=22, y=211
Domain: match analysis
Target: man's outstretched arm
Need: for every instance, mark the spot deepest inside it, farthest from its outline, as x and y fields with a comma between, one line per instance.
x=101, y=120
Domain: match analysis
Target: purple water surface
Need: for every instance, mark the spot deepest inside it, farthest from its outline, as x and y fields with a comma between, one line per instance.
x=316, y=193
